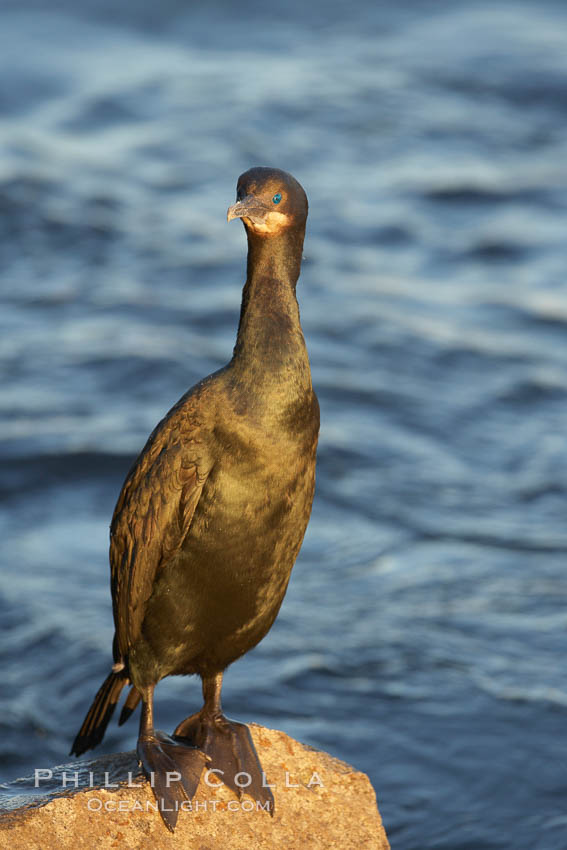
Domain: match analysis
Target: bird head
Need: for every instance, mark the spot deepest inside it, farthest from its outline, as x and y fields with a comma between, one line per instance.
x=269, y=201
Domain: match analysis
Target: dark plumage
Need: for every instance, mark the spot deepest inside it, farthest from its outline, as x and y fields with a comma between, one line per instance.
x=212, y=515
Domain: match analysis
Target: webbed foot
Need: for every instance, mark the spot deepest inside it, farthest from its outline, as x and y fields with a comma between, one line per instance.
x=232, y=754
x=174, y=770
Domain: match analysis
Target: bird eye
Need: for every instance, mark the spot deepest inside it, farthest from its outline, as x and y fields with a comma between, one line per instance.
x=277, y=198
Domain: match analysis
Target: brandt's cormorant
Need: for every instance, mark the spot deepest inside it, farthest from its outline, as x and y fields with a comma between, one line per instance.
x=212, y=515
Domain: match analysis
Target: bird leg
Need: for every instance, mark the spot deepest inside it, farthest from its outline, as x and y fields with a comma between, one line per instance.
x=228, y=744
x=173, y=768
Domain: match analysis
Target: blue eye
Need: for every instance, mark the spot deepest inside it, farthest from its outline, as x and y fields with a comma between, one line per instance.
x=277, y=198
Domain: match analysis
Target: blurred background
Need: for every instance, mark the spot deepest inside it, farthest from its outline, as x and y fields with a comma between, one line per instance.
x=424, y=634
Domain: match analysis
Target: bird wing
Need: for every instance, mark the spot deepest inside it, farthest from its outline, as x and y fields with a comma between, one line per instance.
x=150, y=522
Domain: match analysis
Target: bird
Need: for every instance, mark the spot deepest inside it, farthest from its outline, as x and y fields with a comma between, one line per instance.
x=212, y=515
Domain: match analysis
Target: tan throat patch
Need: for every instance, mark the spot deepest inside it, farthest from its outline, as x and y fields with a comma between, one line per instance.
x=272, y=223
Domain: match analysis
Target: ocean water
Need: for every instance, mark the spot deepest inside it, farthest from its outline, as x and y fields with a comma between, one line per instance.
x=424, y=634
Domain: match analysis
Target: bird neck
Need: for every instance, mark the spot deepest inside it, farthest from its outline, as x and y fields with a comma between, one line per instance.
x=278, y=257
x=269, y=332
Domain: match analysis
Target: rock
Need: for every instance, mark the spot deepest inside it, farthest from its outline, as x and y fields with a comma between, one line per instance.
x=321, y=802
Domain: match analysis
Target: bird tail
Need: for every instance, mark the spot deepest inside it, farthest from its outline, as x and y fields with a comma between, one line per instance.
x=94, y=725
x=130, y=705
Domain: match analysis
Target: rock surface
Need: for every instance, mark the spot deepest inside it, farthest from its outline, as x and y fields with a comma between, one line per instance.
x=321, y=802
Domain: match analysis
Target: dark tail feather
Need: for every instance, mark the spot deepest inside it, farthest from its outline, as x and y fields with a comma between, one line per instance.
x=129, y=706
x=94, y=725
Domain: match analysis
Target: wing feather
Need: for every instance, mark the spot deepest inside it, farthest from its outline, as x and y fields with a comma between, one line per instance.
x=151, y=521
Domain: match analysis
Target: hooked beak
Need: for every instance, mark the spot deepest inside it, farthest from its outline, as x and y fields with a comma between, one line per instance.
x=249, y=207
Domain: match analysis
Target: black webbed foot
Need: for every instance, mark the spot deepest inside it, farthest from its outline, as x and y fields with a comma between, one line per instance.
x=174, y=770
x=232, y=754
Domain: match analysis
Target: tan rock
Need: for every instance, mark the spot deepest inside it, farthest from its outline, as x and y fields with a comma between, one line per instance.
x=321, y=802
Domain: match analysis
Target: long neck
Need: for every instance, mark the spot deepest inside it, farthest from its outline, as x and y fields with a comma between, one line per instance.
x=269, y=336
x=278, y=257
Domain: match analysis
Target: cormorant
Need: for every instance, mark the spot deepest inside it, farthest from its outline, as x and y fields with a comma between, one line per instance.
x=212, y=515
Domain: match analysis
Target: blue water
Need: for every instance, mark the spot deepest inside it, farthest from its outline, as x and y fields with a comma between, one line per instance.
x=424, y=634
